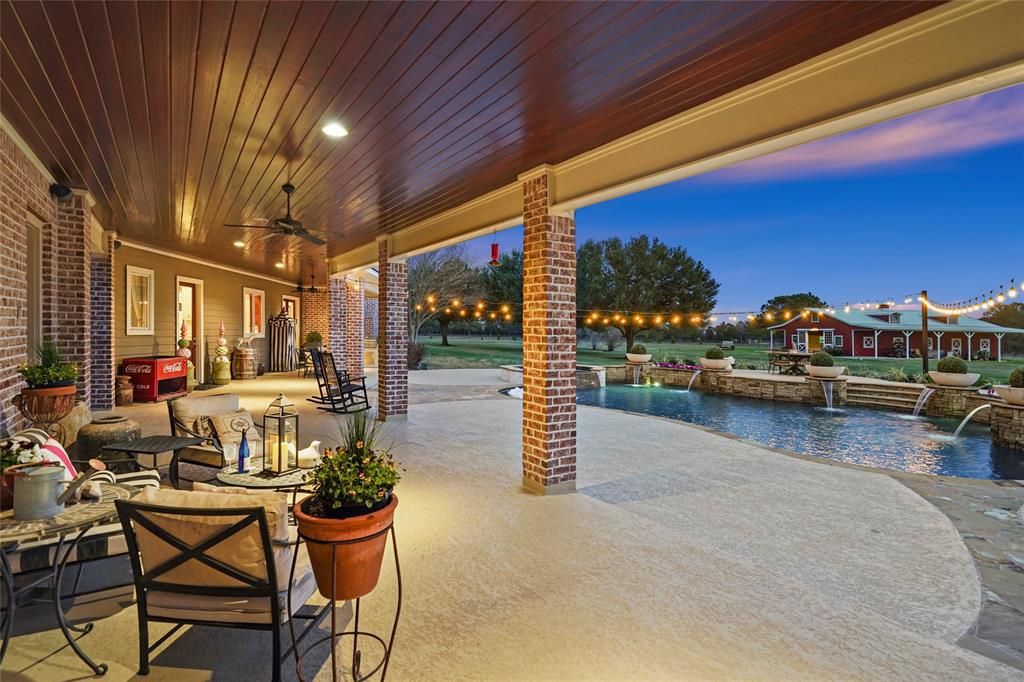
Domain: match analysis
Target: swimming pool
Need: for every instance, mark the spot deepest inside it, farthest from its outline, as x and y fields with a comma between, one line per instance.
x=856, y=435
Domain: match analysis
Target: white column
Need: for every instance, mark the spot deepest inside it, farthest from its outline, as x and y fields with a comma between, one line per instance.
x=999, y=347
x=771, y=339
x=969, y=335
x=877, y=332
x=938, y=345
x=906, y=343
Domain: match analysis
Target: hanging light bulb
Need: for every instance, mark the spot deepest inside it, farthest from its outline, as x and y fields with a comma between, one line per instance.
x=1012, y=293
x=846, y=309
x=1001, y=297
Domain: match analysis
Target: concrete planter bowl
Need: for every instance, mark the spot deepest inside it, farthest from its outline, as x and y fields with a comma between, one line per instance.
x=1014, y=396
x=825, y=372
x=954, y=380
x=709, y=363
x=638, y=358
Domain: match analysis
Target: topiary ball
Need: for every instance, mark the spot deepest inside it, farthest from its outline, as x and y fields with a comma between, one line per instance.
x=822, y=359
x=951, y=364
x=638, y=349
x=714, y=353
x=183, y=343
x=1016, y=379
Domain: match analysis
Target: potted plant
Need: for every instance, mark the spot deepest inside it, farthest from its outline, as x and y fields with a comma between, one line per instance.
x=14, y=451
x=314, y=340
x=638, y=354
x=353, y=501
x=50, y=383
x=1013, y=392
x=714, y=358
x=952, y=371
x=823, y=366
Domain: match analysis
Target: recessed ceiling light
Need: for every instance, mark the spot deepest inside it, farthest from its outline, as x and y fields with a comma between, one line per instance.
x=278, y=265
x=334, y=129
x=239, y=243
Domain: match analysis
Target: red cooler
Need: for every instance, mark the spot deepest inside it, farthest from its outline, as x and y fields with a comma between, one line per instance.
x=155, y=379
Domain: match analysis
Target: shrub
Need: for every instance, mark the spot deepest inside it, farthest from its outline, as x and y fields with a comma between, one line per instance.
x=822, y=359
x=982, y=355
x=638, y=349
x=357, y=474
x=951, y=364
x=672, y=360
x=714, y=353
x=833, y=351
x=689, y=362
x=51, y=370
x=896, y=374
x=1017, y=378
x=612, y=339
x=314, y=338
x=417, y=351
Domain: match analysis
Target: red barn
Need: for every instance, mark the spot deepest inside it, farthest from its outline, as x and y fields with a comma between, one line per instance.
x=886, y=332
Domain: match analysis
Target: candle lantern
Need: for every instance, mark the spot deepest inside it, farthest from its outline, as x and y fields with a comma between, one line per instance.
x=280, y=436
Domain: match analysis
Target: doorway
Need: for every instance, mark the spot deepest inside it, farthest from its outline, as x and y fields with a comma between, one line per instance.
x=189, y=316
x=291, y=306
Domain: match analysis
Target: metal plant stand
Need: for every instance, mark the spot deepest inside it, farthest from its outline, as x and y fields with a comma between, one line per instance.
x=355, y=633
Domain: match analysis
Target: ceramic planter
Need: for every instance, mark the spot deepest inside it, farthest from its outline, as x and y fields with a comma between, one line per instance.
x=638, y=358
x=1014, y=396
x=954, y=380
x=357, y=564
x=825, y=372
x=710, y=363
x=221, y=373
x=48, y=404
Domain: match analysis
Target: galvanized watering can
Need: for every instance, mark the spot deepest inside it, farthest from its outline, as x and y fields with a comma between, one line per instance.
x=36, y=492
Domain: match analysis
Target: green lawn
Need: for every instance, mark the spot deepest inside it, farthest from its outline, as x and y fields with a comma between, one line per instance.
x=475, y=352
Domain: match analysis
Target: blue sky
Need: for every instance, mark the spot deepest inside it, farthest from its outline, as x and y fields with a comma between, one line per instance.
x=867, y=215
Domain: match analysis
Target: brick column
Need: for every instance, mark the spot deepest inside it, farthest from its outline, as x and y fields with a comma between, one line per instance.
x=393, y=335
x=72, y=274
x=314, y=312
x=102, y=326
x=549, y=341
x=346, y=323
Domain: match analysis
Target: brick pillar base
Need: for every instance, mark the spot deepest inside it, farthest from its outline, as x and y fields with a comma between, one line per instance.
x=346, y=323
x=102, y=327
x=549, y=341
x=393, y=335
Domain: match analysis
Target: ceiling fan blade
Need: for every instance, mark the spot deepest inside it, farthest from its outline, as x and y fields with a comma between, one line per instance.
x=251, y=227
x=312, y=239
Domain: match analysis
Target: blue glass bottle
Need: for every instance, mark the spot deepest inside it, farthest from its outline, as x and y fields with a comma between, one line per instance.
x=243, y=454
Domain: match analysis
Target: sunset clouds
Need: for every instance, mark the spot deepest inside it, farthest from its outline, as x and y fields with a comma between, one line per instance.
x=980, y=122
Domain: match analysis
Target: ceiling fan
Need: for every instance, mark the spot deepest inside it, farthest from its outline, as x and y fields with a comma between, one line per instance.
x=287, y=226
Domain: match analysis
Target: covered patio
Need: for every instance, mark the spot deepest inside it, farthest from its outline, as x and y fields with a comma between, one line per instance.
x=145, y=147
x=676, y=560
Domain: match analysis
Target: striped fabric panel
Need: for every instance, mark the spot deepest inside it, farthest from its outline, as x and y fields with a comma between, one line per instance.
x=138, y=479
x=98, y=543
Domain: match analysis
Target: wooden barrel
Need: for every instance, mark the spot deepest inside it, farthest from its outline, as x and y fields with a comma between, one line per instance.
x=244, y=364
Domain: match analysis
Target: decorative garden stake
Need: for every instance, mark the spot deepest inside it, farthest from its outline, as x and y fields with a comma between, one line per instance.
x=221, y=359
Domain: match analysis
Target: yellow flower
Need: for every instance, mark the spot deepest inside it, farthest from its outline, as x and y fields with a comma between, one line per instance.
x=359, y=444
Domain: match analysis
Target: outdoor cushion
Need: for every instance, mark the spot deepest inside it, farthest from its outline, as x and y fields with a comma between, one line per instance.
x=243, y=550
x=51, y=449
x=187, y=409
x=98, y=542
x=229, y=427
x=201, y=454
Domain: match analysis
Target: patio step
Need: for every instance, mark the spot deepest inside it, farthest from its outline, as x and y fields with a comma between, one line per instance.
x=898, y=403
x=882, y=395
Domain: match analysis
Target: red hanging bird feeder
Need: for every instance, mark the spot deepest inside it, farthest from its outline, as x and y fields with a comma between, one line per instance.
x=494, y=255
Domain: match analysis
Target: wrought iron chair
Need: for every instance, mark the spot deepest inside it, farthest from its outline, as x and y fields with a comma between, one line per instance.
x=302, y=361
x=215, y=566
x=339, y=393
x=182, y=413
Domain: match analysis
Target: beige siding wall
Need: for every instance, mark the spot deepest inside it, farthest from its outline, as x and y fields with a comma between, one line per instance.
x=222, y=300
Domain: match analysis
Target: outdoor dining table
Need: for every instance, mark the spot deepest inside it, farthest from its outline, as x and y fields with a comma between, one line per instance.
x=67, y=529
x=794, y=361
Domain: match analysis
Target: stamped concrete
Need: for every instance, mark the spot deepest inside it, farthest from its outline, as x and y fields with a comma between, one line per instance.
x=684, y=555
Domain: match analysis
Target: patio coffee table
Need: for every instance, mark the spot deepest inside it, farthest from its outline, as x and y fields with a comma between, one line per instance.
x=67, y=528
x=255, y=479
x=153, y=446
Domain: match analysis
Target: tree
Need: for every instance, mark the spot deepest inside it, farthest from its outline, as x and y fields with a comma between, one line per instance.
x=642, y=277
x=503, y=283
x=794, y=303
x=1008, y=315
x=436, y=280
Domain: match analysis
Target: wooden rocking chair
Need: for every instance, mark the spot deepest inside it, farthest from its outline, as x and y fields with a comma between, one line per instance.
x=339, y=393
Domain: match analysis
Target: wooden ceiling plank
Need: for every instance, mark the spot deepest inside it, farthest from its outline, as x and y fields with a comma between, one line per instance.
x=88, y=165
x=153, y=27
x=185, y=24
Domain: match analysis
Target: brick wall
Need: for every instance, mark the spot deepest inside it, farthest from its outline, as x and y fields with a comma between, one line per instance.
x=346, y=323
x=24, y=198
x=392, y=335
x=371, y=318
x=549, y=342
x=72, y=275
x=314, y=311
x=102, y=327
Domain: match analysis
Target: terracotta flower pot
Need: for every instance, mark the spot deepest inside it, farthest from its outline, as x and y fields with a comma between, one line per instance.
x=357, y=565
x=47, y=405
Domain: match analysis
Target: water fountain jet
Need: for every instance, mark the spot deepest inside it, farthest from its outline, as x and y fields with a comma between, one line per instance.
x=692, y=379
x=922, y=399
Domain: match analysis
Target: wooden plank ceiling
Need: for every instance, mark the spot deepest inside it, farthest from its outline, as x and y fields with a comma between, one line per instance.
x=181, y=116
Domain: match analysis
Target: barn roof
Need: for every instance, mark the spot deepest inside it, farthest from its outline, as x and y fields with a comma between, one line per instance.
x=910, y=320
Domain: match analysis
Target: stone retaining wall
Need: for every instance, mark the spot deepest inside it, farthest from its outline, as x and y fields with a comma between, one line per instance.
x=1007, y=423
x=957, y=403
x=802, y=390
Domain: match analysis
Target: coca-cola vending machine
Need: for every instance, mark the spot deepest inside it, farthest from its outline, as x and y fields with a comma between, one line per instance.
x=155, y=379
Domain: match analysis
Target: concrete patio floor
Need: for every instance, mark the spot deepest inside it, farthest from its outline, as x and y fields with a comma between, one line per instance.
x=683, y=555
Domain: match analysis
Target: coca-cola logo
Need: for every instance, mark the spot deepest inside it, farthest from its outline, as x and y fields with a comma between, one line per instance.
x=174, y=367
x=137, y=369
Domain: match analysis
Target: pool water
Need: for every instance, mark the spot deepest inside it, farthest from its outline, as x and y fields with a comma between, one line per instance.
x=857, y=435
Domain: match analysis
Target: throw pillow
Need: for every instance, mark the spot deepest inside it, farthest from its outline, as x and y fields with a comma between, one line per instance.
x=229, y=427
